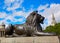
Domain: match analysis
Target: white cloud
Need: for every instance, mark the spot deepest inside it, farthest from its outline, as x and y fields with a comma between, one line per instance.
x=16, y=4
x=42, y=7
x=8, y=2
x=2, y=15
x=54, y=8
x=22, y=13
x=15, y=13
x=14, y=7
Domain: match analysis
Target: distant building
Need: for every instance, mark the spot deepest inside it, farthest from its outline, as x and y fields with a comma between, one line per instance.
x=2, y=29
x=53, y=20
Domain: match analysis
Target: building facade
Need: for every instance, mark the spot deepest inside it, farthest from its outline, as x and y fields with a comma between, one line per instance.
x=2, y=30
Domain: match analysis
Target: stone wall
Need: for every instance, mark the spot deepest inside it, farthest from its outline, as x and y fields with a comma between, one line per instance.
x=41, y=39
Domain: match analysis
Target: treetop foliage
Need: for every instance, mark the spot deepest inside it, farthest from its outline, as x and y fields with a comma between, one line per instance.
x=53, y=29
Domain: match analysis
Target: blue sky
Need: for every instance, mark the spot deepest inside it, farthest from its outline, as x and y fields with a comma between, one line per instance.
x=16, y=11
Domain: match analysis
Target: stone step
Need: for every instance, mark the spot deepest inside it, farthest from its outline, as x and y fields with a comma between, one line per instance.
x=40, y=39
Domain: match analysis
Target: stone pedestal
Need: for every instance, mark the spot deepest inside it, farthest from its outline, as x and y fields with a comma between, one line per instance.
x=41, y=39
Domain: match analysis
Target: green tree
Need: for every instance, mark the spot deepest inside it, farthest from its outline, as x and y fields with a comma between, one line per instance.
x=54, y=29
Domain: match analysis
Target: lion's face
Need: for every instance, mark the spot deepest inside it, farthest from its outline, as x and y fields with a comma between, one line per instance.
x=40, y=19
